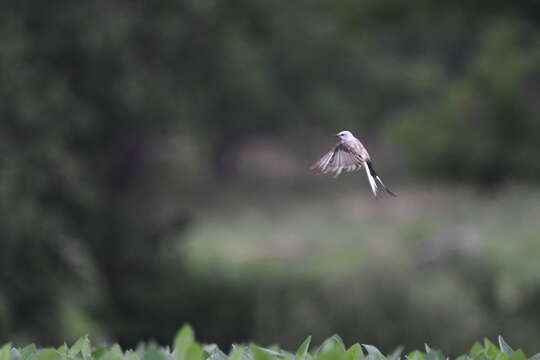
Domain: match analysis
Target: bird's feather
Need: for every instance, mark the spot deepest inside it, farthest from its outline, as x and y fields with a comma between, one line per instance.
x=339, y=158
x=378, y=187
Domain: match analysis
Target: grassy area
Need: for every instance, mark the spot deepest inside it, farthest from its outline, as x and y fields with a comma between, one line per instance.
x=337, y=234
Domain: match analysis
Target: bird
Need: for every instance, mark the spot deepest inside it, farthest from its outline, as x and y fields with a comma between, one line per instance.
x=349, y=154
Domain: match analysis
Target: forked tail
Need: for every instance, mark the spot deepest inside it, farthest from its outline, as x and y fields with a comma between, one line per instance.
x=377, y=186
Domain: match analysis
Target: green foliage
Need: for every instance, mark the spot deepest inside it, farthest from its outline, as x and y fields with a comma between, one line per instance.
x=302, y=351
x=479, y=122
x=187, y=348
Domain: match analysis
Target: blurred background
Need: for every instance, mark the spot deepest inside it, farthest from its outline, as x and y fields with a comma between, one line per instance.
x=154, y=162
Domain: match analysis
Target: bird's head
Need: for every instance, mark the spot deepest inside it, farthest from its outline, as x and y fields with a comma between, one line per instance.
x=345, y=135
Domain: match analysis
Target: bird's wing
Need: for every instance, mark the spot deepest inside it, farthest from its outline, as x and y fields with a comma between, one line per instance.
x=341, y=157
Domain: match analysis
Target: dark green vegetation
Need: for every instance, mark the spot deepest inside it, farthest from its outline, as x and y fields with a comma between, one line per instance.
x=185, y=347
x=455, y=84
x=127, y=127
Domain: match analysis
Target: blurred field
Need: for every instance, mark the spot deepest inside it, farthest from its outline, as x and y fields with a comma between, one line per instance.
x=334, y=234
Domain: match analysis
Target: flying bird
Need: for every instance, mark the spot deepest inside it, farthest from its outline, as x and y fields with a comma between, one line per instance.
x=350, y=155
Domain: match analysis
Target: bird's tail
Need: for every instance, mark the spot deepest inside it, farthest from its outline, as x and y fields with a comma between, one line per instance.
x=377, y=186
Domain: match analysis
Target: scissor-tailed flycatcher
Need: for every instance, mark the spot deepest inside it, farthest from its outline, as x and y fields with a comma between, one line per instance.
x=349, y=155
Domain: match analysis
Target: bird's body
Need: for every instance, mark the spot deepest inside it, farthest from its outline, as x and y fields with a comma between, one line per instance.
x=349, y=154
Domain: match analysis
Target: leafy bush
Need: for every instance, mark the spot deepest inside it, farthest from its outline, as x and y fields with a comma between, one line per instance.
x=187, y=348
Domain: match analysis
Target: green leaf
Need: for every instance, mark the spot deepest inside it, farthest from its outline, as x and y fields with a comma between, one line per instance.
x=476, y=349
x=271, y=351
x=63, y=351
x=338, y=340
x=153, y=353
x=488, y=345
x=415, y=355
x=86, y=350
x=140, y=350
x=330, y=351
x=246, y=353
x=372, y=350
x=505, y=348
x=237, y=353
x=98, y=352
x=115, y=353
x=184, y=338
x=183, y=343
x=48, y=354
x=75, y=348
x=4, y=352
x=194, y=352
x=29, y=352
x=82, y=346
x=332, y=344
x=492, y=351
x=517, y=355
x=303, y=349
x=258, y=353
x=354, y=352
x=130, y=355
x=116, y=350
x=209, y=349
x=185, y=346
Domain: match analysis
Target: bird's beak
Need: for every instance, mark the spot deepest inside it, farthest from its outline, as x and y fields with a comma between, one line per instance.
x=337, y=135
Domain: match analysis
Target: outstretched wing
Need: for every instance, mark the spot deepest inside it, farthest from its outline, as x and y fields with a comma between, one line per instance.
x=340, y=158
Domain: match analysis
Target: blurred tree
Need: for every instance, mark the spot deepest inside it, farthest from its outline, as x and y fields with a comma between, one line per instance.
x=481, y=125
x=79, y=125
